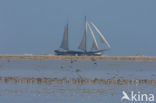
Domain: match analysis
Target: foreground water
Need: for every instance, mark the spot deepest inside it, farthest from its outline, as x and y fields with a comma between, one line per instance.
x=74, y=81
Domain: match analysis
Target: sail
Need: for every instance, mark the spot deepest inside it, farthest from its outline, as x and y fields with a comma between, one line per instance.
x=102, y=38
x=64, y=44
x=83, y=44
x=94, y=45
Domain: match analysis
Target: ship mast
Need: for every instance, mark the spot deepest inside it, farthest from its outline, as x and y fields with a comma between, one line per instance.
x=85, y=34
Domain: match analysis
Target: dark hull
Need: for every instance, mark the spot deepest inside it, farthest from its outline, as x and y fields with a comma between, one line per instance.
x=78, y=53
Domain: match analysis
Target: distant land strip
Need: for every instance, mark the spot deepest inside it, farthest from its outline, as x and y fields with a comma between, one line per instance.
x=54, y=57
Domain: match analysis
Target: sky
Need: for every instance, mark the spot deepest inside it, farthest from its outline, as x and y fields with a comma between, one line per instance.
x=37, y=26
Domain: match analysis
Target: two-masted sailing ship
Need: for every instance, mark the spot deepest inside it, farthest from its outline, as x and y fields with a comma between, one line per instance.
x=95, y=51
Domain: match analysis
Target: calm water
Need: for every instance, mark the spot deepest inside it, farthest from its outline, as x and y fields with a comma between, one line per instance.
x=47, y=81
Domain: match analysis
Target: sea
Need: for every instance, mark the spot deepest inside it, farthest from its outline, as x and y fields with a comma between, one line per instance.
x=76, y=81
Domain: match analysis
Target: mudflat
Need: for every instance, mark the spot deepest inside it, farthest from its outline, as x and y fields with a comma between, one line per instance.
x=26, y=80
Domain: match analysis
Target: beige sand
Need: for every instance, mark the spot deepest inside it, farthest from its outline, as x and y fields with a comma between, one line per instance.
x=53, y=57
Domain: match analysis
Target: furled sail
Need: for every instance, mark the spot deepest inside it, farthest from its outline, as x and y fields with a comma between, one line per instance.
x=83, y=44
x=94, y=45
x=102, y=38
x=64, y=44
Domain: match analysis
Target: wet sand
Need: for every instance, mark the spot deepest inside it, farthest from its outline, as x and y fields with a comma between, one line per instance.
x=53, y=57
x=30, y=80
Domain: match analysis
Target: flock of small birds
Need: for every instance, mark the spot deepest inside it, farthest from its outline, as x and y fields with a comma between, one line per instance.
x=81, y=80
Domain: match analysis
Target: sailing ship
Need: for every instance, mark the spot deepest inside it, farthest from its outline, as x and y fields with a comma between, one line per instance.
x=83, y=45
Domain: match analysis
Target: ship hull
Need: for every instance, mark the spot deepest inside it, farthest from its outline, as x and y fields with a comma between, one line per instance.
x=78, y=53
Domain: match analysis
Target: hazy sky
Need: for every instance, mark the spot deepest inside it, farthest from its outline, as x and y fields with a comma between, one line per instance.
x=36, y=26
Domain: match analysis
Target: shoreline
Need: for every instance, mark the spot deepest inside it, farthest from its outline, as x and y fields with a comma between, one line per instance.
x=54, y=57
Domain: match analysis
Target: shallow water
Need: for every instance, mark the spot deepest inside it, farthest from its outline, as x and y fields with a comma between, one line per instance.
x=74, y=81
